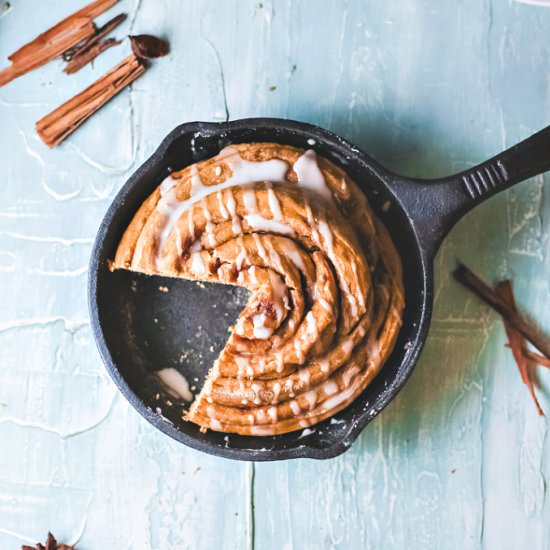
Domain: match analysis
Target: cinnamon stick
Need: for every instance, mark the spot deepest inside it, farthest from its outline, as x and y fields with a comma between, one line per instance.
x=64, y=120
x=81, y=54
x=88, y=55
x=471, y=281
x=54, y=41
x=517, y=342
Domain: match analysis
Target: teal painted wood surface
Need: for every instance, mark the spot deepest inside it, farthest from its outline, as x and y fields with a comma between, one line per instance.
x=459, y=460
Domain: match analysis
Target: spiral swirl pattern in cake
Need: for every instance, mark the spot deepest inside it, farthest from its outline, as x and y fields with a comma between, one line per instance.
x=326, y=291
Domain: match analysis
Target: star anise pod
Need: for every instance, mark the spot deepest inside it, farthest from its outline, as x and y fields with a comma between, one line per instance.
x=51, y=544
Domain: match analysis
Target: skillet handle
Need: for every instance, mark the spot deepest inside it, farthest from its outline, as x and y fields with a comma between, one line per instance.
x=436, y=205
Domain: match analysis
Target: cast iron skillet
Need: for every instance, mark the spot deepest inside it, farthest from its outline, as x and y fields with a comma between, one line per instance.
x=140, y=327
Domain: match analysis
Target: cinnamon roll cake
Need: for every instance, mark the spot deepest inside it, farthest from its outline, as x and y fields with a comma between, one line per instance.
x=325, y=281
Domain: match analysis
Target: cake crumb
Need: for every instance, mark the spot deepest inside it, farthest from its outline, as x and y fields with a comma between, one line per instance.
x=164, y=288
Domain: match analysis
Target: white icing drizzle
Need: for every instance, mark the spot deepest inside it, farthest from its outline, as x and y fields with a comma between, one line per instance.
x=232, y=208
x=349, y=374
x=311, y=398
x=168, y=183
x=362, y=298
x=190, y=222
x=298, y=350
x=292, y=252
x=241, y=260
x=276, y=391
x=295, y=407
x=373, y=351
x=258, y=222
x=339, y=398
x=279, y=293
x=261, y=430
x=330, y=387
x=261, y=332
x=324, y=365
x=262, y=365
x=209, y=226
x=242, y=362
x=272, y=412
x=179, y=245
x=311, y=325
x=312, y=224
x=275, y=257
x=243, y=172
x=304, y=375
x=175, y=383
x=249, y=199
x=261, y=249
x=197, y=265
x=310, y=176
x=328, y=239
x=138, y=253
x=257, y=388
x=196, y=246
x=347, y=345
x=280, y=362
x=274, y=204
x=253, y=275
x=223, y=210
x=216, y=425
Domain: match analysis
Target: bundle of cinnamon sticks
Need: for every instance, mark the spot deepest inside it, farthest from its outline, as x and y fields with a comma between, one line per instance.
x=79, y=42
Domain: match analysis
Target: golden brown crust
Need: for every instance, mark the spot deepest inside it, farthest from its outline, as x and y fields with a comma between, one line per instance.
x=325, y=281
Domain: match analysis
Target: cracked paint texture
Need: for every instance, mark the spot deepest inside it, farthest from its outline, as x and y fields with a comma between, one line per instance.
x=458, y=460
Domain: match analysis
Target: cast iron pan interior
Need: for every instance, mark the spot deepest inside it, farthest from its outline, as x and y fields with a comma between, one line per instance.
x=140, y=328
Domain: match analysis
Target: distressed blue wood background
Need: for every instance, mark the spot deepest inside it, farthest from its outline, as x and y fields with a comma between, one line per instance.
x=459, y=460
